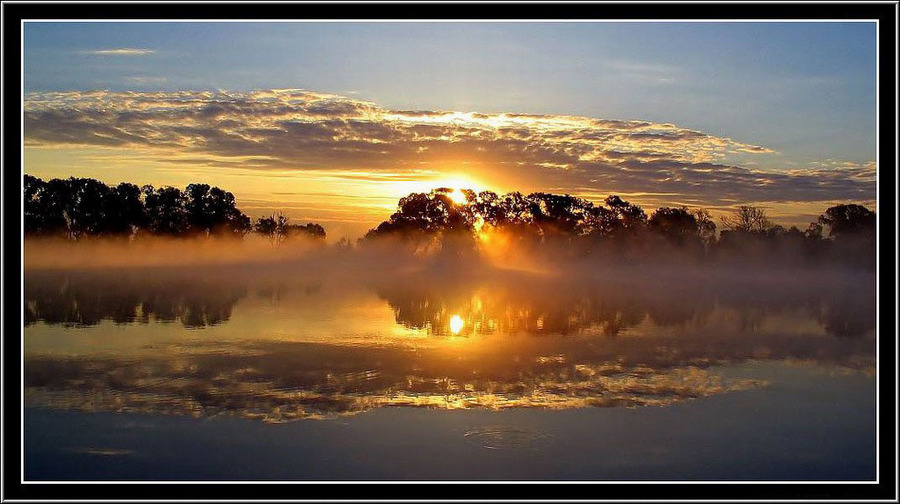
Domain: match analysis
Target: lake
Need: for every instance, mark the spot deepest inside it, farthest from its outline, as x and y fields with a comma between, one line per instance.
x=349, y=372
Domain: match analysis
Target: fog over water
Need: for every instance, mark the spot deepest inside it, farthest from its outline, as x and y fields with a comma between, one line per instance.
x=278, y=333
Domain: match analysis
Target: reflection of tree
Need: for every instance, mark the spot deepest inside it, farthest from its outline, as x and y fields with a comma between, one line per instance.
x=547, y=343
x=283, y=380
x=535, y=308
x=849, y=314
x=87, y=299
x=566, y=307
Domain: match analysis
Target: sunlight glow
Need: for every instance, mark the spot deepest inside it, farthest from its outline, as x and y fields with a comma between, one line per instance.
x=458, y=196
x=456, y=324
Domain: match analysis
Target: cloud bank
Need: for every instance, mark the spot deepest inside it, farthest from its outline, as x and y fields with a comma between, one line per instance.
x=302, y=130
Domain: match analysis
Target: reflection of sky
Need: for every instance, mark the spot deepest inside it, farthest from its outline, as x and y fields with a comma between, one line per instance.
x=292, y=350
x=810, y=425
x=803, y=92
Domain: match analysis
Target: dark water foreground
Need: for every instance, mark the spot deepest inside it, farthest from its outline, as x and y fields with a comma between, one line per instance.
x=447, y=375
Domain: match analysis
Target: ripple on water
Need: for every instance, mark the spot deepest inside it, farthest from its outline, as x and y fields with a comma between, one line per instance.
x=508, y=438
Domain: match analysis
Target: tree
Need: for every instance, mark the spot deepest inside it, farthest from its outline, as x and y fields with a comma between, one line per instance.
x=272, y=227
x=34, y=212
x=212, y=211
x=706, y=228
x=852, y=229
x=747, y=219
x=88, y=199
x=814, y=231
x=78, y=207
x=54, y=207
x=486, y=207
x=677, y=225
x=557, y=215
x=632, y=218
x=166, y=210
x=425, y=213
x=599, y=222
x=843, y=220
x=124, y=211
x=308, y=230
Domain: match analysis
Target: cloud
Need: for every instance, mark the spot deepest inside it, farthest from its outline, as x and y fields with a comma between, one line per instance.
x=125, y=51
x=295, y=129
x=646, y=73
x=147, y=80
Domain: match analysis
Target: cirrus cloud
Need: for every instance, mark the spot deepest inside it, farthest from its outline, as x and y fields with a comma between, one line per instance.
x=124, y=51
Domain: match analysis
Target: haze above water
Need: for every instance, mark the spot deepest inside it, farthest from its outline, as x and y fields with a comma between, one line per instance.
x=333, y=363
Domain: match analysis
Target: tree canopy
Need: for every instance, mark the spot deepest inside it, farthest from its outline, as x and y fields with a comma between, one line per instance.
x=75, y=208
x=79, y=207
x=540, y=218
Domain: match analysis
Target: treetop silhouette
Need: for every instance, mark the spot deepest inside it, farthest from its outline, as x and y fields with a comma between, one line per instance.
x=78, y=207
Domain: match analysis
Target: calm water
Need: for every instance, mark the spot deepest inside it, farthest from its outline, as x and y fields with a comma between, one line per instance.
x=317, y=373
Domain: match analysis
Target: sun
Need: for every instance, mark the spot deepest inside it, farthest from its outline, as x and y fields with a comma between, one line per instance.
x=457, y=196
x=456, y=324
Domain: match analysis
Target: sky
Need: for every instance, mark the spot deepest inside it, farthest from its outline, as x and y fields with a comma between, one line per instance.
x=333, y=122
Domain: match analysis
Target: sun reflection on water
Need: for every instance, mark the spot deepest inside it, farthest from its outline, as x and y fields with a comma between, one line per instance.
x=280, y=351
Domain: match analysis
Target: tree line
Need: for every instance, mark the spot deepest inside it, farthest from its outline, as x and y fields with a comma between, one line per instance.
x=75, y=208
x=843, y=232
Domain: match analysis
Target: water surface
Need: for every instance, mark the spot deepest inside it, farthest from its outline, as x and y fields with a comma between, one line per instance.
x=322, y=374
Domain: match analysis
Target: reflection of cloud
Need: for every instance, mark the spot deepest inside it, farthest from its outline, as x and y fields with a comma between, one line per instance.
x=104, y=452
x=658, y=343
x=302, y=130
x=125, y=51
x=244, y=394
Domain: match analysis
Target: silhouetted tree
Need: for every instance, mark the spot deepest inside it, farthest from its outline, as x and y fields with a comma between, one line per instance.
x=78, y=207
x=424, y=213
x=631, y=218
x=747, y=219
x=212, y=211
x=123, y=210
x=166, y=210
x=557, y=215
x=54, y=202
x=308, y=230
x=35, y=211
x=600, y=222
x=706, y=228
x=677, y=225
x=814, y=231
x=843, y=220
x=88, y=199
x=486, y=206
x=852, y=228
x=273, y=227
